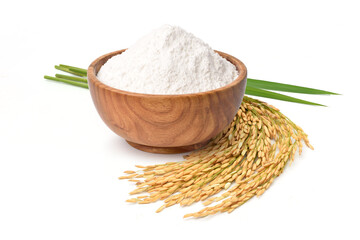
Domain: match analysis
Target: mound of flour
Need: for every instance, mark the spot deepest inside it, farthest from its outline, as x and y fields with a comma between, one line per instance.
x=168, y=60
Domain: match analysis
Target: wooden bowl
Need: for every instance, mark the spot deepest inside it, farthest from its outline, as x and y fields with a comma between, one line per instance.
x=167, y=123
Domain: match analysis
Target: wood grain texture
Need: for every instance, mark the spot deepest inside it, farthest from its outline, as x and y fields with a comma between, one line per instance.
x=167, y=123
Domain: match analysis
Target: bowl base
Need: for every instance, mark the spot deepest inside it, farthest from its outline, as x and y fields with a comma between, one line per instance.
x=167, y=150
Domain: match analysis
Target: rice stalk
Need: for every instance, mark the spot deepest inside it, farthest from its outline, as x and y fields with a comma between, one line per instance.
x=238, y=164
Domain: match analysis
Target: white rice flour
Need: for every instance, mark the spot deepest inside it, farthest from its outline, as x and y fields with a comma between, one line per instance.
x=168, y=60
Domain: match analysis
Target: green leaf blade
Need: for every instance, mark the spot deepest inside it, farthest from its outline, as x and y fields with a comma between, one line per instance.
x=77, y=68
x=78, y=84
x=285, y=87
x=78, y=79
x=268, y=94
x=64, y=69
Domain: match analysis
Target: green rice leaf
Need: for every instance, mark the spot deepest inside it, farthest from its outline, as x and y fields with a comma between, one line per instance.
x=78, y=84
x=75, y=69
x=78, y=79
x=64, y=69
x=268, y=94
x=284, y=87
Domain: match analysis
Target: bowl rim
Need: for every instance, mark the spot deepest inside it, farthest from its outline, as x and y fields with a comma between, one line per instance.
x=240, y=67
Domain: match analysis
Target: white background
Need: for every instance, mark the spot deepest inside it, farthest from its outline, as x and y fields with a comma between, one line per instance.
x=59, y=163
